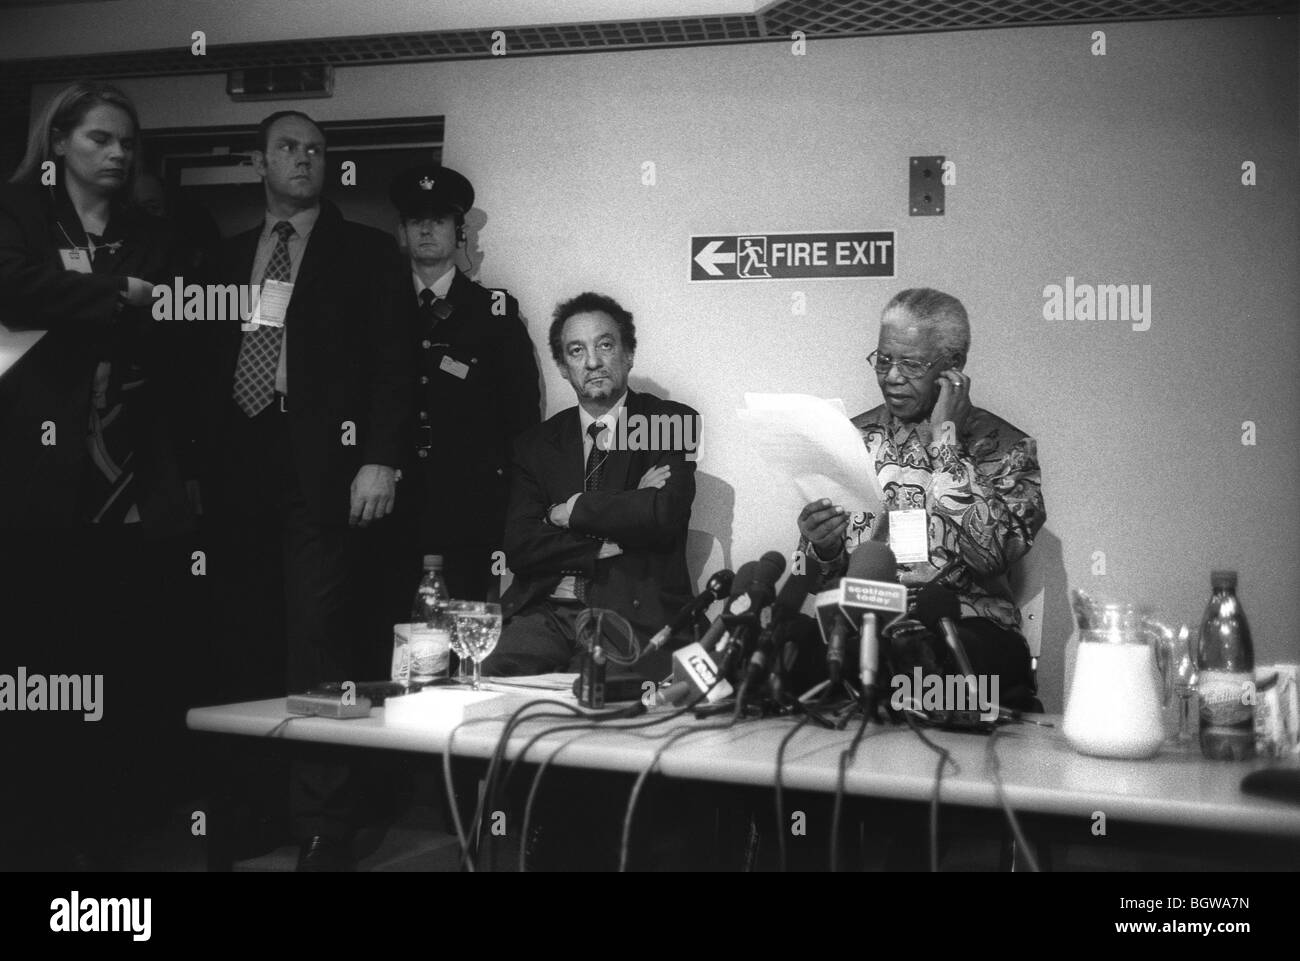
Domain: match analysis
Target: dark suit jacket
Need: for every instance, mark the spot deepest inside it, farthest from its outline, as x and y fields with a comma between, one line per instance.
x=40, y=485
x=471, y=422
x=648, y=583
x=346, y=328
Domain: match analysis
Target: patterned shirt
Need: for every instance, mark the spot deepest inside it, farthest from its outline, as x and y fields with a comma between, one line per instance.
x=983, y=497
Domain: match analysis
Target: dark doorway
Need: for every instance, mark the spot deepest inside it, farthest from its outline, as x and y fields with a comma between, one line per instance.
x=208, y=171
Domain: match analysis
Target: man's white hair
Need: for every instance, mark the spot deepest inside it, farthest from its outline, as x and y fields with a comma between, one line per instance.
x=941, y=313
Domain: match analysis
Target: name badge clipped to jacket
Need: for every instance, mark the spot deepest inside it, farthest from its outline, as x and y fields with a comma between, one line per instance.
x=909, y=535
x=454, y=367
x=272, y=304
x=76, y=260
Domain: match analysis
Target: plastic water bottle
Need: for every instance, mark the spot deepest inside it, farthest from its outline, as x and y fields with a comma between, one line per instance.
x=431, y=628
x=1225, y=661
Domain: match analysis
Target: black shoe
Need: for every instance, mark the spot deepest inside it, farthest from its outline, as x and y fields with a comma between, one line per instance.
x=325, y=854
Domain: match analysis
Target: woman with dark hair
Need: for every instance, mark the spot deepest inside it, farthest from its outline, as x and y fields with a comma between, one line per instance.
x=91, y=435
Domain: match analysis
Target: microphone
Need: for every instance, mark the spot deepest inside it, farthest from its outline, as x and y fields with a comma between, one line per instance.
x=626, y=688
x=703, y=666
x=741, y=583
x=871, y=584
x=788, y=602
x=800, y=663
x=746, y=609
x=758, y=592
x=939, y=610
x=695, y=666
x=591, y=679
x=718, y=587
x=695, y=674
x=718, y=635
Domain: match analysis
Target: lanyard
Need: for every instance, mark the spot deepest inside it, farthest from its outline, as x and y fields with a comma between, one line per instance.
x=91, y=247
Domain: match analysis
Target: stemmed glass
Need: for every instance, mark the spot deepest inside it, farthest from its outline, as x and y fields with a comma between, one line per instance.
x=462, y=654
x=1185, y=681
x=477, y=630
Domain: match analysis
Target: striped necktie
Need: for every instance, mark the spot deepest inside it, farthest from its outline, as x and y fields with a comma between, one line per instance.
x=595, y=473
x=259, y=353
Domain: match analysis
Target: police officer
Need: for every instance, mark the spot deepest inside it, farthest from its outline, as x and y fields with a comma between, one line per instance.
x=477, y=388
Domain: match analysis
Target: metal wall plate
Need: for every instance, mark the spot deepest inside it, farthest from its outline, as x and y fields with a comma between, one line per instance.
x=925, y=187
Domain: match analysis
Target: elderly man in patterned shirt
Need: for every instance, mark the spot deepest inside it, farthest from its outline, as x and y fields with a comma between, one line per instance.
x=959, y=476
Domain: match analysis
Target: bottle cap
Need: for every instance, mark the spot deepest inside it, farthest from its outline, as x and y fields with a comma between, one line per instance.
x=433, y=561
x=1223, y=580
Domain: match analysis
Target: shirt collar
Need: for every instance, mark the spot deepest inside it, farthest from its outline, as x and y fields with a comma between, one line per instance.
x=303, y=222
x=439, y=286
x=609, y=419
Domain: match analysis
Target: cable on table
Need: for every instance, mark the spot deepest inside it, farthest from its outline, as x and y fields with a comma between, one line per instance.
x=995, y=771
x=780, y=791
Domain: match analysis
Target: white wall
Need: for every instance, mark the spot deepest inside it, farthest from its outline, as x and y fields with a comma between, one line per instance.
x=1116, y=169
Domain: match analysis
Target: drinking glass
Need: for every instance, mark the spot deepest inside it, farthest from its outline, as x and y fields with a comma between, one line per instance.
x=478, y=628
x=462, y=655
x=1185, y=682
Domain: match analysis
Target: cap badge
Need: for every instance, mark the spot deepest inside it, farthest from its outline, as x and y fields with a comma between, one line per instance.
x=426, y=183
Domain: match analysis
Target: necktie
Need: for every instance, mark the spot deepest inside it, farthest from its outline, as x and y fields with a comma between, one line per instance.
x=259, y=354
x=595, y=473
x=596, y=459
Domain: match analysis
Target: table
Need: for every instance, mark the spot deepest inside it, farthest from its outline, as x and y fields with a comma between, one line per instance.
x=1040, y=772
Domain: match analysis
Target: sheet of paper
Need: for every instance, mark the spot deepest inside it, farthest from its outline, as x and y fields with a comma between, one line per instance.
x=15, y=343
x=812, y=443
x=533, y=682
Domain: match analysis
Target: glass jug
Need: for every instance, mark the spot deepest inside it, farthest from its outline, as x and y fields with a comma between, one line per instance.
x=1121, y=683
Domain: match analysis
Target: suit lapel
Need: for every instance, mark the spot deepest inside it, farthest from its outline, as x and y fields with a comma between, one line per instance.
x=243, y=252
x=315, y=258
x=566, y=448
x=620, y=459
x=304, y=319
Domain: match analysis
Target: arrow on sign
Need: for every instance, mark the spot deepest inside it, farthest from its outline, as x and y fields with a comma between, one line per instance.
x=709, y=257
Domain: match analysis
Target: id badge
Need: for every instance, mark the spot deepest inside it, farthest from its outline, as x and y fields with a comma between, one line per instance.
x=76, y=260
x=909, y=535
x=454, y=367
x=272, y=304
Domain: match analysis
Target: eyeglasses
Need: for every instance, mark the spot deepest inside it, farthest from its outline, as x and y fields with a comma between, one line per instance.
x=911, y=369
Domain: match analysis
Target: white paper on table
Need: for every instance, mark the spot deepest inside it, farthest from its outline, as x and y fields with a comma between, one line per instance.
x=15, y=343
x=813, y=443
x=558, y=681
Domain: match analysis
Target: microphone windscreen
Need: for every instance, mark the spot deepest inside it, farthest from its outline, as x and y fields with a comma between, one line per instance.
x=803, y=654
x=719, y=585
x=873, y=561
x=794, y=592
x=935, y=602
x=743, y=579
x=769, y=570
